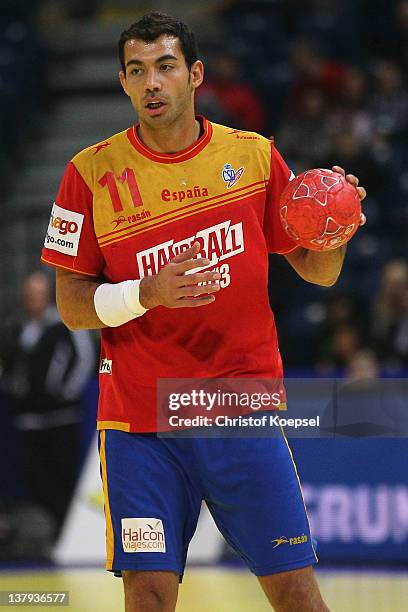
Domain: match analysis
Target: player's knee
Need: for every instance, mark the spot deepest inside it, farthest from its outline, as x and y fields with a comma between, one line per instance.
x=294, y=590
x=150, y=591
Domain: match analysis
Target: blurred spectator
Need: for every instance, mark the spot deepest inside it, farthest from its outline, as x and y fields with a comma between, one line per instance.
x=340, y=349
x=390, y=38
x=313, y=70
x=366, y=405
x=351, y=112
x=45, y=368
x=342, y=334
x=349, y=152
x=363, y=365
x=304, y=139
x=327, y=21
x=225, y=98
x=389, y=103
x=23, y=59
x=390, y=315
x=341, y=309
x=400, y=36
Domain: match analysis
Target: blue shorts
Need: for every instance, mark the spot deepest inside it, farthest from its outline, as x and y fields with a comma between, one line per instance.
x=154, y=487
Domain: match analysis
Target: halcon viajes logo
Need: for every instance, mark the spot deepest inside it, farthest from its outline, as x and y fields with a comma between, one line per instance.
x=143, y=535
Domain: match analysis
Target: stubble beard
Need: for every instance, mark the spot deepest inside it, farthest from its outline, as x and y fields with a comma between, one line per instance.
x=172, y=114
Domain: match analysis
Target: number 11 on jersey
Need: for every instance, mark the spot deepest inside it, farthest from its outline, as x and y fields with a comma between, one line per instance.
x=128, y=176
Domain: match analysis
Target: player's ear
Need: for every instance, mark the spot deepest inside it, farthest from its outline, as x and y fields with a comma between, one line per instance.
x=122, y=79
x=197, y=74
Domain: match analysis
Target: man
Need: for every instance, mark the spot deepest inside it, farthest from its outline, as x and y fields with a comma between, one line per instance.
x=134, y=215
x=45, y=370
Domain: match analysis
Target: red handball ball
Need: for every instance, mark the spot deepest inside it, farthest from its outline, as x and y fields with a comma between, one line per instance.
x=320, y=210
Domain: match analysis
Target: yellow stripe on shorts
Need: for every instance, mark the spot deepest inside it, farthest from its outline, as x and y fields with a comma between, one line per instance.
x=300, y=487
x=108, y=518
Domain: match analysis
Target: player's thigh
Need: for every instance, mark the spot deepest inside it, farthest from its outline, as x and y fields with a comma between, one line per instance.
x=150, y=590
x=254, y=495
x=151, y=506
x=293, y=590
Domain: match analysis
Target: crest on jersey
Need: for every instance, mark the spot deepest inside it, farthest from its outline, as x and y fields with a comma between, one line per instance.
x=231, y=176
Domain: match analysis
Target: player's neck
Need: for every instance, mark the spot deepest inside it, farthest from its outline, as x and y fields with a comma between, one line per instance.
x=170, y=139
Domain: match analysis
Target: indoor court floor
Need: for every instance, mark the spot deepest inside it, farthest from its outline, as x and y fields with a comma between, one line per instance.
x=216, y=590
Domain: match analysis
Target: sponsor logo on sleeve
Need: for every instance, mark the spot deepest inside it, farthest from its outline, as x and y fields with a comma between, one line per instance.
x=64, y=230
x=143, y=535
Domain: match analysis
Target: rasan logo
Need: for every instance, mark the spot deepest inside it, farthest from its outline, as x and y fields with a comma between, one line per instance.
x=143, y=535
x=291, y=541
x=133, y=218
x=217, y=243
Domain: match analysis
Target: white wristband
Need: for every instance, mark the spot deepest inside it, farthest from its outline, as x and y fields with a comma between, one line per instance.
x=118, y=303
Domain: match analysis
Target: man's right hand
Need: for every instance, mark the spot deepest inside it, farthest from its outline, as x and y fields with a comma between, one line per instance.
x=173, y=287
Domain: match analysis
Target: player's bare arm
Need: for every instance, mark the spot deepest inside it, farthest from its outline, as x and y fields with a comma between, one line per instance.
x=319, y=268
x=75, y=300
x=324, y=267
x=171, y=287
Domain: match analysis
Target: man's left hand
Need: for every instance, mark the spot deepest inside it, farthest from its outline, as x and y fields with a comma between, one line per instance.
x=353, y=180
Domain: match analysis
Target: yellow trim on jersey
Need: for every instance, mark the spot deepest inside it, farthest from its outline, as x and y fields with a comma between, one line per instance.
x=108, y=518
x=119, y=425
x=154, y=224
x=300, y=487
x=133, y=194
x=259, y=185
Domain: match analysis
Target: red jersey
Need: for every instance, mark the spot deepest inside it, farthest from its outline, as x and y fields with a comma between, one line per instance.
x=123, y=211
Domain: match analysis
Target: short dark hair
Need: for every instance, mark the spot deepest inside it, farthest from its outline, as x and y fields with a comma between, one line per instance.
x=155, y=24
